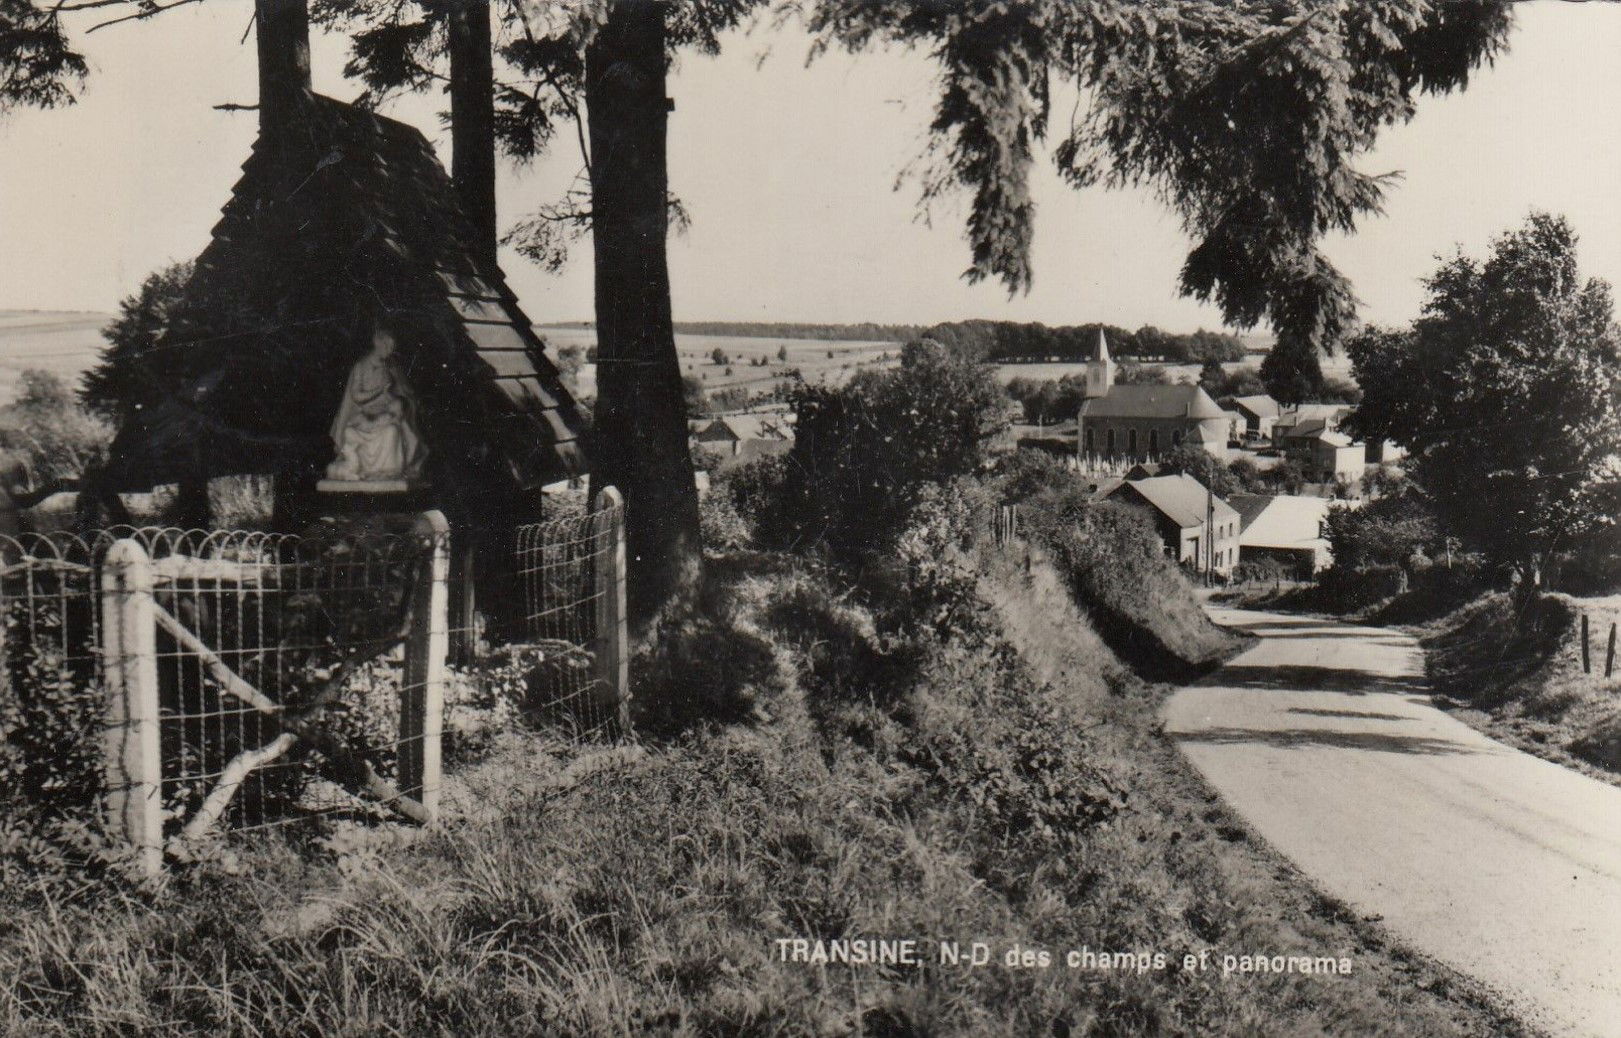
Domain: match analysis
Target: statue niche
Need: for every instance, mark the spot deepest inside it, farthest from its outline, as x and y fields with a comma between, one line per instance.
x=375, y=434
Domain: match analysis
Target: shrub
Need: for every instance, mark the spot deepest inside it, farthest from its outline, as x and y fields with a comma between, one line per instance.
x=1027, y=472
x=720, y=522
x=1262, y=571
x=1138, y=599
x=863, y=451
x=1388, y=532
x=1351, y=589
x=1286, y=477
x=47, y=425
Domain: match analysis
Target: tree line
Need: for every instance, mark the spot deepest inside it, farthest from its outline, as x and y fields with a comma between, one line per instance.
x=1178, y=97
x=1034, y=341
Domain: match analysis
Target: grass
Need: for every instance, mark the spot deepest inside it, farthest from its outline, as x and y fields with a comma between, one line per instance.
x=1514, y=669
x=1006, y=784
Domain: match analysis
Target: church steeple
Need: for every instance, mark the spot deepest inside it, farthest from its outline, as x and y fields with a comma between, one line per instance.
x=1100, y=369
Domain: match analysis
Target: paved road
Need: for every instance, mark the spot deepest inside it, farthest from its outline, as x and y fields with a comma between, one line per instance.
x=1502, y=865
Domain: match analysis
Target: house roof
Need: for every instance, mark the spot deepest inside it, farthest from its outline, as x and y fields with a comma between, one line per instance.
x=1329, y=413
x=1330, y=438
x=345, y=218
x=1281, y=521
x=1262, y=406
x=1180, y=498
x=1305, y=428
x=774, y=426
x=753, y=450
x=1151, y=401
x=1248, y=507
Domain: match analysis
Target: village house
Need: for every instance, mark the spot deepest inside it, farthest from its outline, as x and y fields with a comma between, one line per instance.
x=1260, y=412
x=1327, y=456
x=1284, y=527
x=1198, y=528
x=1307, y=419
x=737, y=439
x=731, y=434
x=1139, y=422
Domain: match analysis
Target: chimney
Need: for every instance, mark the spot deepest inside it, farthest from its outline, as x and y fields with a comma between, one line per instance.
x=472, y=120
x=282, y=28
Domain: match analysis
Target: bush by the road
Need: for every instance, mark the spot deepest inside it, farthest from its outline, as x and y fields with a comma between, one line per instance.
x=1140, y=601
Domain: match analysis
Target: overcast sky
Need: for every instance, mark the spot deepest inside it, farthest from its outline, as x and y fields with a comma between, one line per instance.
x=788, y=174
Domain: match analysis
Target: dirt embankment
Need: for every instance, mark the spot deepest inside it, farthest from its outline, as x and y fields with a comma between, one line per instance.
x=1516, y=669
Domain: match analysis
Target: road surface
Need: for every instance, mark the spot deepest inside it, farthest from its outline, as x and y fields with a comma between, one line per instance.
x=1504, y=866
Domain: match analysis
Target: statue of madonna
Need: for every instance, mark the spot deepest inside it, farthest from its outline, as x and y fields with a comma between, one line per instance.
x=375, y=432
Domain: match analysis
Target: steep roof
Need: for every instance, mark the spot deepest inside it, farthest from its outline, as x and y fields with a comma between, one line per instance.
x=1281, y=521
x=1151, y=401
x=1248, y=507
x=345, y=219
x=1262, y=406
x=1100, y=349
x=1180, y=498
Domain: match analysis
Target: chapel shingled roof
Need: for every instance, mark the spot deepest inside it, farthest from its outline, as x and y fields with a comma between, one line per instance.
x=345, y=218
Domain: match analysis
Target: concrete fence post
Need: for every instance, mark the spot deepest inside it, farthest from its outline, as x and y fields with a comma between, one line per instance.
x=612, y=630
x=132, y=761
x=422, y=695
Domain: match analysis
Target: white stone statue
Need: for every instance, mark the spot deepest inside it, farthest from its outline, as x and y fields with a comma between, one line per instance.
x=375, y=432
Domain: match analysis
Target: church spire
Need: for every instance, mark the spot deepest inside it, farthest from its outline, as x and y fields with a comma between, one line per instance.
x=1100, y=369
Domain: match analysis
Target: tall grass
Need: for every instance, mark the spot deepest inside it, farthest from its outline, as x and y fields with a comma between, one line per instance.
x=877, y=774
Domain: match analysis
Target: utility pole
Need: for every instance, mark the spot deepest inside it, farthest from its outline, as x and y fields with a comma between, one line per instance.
x=1209, y=534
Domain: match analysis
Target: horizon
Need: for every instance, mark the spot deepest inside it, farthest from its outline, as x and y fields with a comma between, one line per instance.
x=797, y=215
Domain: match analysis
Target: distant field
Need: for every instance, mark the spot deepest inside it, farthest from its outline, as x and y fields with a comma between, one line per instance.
x=1337, y=365
x=65, y=343
x=810, y=356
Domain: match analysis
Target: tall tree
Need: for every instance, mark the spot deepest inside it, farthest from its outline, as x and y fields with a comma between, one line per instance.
x=472, y=119
x=640, y=423
x=38, y=67
x=132, y=373
x=1245, y=116
x=1507, y=391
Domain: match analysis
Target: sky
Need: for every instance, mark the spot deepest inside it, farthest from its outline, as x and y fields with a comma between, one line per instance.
x=789, y=173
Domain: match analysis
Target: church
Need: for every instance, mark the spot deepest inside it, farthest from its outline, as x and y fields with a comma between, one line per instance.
x=1141, y=422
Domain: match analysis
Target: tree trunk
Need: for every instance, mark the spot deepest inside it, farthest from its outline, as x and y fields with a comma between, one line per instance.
x=282, y=35
x=472, y=120
x=640, y=443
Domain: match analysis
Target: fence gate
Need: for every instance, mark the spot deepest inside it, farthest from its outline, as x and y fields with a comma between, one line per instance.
x=257, y=679
x=246, y=679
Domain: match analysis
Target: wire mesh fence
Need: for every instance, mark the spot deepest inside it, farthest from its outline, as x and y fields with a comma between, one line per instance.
x=172, y=682
x=571, y=582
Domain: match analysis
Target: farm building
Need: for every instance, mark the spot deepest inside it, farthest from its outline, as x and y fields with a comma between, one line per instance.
x=1284, y=527
x=1187, y=517
x=1259, y=412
